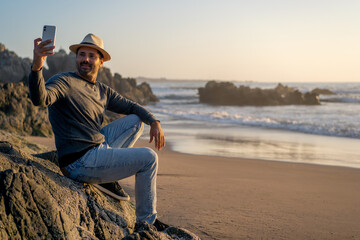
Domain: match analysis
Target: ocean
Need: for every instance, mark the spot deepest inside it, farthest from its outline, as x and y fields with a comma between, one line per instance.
x=327, y=134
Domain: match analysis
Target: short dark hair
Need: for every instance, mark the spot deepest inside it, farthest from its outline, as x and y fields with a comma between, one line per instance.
x=101, y=55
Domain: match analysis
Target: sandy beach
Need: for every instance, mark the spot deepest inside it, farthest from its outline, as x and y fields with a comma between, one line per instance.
x=235, y=198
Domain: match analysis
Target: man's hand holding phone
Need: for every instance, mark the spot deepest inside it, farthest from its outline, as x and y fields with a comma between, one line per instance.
x=41, y=51
x=44, y=47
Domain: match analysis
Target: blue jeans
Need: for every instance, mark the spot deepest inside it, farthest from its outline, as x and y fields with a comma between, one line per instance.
x=115, y=159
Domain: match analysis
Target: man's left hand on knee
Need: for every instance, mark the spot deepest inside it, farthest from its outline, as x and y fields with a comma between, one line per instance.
x=157, y=133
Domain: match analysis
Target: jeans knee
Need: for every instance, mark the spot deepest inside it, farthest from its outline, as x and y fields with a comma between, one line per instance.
x=152, y=157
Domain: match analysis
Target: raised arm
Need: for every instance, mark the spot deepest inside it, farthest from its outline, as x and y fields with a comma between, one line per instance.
x=40, y=94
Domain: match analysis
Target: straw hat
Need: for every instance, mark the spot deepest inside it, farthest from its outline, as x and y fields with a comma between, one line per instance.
x=92, y=41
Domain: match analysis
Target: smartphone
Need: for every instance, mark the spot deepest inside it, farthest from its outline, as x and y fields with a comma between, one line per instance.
x=49, y=32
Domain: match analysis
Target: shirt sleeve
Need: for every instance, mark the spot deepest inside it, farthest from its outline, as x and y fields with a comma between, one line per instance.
x=42, y=94
x=122, y=105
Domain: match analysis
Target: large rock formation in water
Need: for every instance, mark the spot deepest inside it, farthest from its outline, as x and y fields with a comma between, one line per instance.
x=226, y=93
x=38, y=202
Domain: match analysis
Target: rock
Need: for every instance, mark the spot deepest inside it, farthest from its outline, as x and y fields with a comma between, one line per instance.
x=147, y=231
x=18, y=114
x=322, y=91
x=21, y=143
x=218, y=93
x=12, y=67
x=59, y=62
x=38, y=202
x=226, y=93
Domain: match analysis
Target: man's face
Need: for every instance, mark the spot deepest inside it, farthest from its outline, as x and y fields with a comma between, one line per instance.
x=88, y=62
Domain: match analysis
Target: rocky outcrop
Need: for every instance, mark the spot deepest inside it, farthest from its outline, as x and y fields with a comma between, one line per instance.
x=128, y=88
x=226, y=93
x=322, y=91
x=38, y=202
x=59, y=62
x=12, y=67
x=18, y=114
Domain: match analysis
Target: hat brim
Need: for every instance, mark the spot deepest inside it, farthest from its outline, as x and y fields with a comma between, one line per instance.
x=75, y=47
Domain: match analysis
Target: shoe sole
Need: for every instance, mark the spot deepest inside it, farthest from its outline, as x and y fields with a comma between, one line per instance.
x=104, y=190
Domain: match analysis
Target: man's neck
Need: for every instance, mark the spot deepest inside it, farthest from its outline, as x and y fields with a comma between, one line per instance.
x=87, y=78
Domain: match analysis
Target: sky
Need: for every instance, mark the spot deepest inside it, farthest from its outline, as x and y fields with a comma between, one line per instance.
x=253, y=40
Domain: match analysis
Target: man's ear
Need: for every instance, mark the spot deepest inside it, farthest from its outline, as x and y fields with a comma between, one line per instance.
x=101, y=62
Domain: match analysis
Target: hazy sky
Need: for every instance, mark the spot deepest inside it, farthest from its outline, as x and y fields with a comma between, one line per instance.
x=259, y=40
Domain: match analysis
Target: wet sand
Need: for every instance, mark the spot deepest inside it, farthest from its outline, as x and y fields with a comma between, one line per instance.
x=235, y=198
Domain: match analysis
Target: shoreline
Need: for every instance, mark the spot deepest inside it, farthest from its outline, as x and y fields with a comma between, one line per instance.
x=265, y=144
x=239, y=198
x=169, y=145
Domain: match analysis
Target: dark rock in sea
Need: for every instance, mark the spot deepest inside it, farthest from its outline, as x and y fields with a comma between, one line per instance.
x=226, y=93
x=322, y=91
x=12, y=67
x=129, y=88
x=38, y=202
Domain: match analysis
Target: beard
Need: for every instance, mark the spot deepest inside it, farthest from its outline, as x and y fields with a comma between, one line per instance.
x=86, y=69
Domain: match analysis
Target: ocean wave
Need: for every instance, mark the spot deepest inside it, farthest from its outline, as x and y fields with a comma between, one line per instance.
x=185, y=88
x=179, y=97
x=340, y=99
x=312, y=127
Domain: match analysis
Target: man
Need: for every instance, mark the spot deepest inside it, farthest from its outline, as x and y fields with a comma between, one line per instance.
x=87, y=152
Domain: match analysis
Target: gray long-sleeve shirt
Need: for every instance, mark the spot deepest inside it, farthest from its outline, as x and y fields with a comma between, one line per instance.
x=77, y=107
